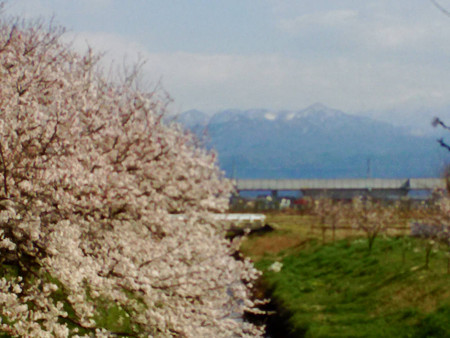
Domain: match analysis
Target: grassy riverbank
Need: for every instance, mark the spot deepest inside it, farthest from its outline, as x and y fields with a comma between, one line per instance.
x=340, y=290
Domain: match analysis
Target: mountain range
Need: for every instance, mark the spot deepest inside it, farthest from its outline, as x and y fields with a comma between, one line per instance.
x=315, y=142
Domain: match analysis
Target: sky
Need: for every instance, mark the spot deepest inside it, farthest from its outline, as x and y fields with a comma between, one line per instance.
x=385, y=59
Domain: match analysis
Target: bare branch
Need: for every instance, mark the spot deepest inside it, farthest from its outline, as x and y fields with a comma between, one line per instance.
x=443, y=144
x=441, y=8
x=438, y=122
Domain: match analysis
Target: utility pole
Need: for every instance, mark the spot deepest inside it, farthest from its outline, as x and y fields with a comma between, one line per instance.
x=368, y=168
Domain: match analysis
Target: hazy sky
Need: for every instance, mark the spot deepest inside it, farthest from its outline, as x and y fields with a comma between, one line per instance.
x=389, y=58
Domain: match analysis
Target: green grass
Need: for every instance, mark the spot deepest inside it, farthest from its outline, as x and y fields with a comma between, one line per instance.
x=332, y=290
x=340, y=290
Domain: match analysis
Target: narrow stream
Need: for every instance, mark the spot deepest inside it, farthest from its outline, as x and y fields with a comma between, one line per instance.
x=276, y=319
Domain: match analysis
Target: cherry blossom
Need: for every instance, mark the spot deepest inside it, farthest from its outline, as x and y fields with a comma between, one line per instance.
x=90, y=179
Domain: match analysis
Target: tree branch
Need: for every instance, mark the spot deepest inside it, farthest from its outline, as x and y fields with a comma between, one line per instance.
x=443, y=144
x=442, y=9
x=5, y=172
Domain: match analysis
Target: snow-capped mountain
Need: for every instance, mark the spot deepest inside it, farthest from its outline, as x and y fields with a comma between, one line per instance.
x=315, y=142
x=316, y=112
x=192, y=118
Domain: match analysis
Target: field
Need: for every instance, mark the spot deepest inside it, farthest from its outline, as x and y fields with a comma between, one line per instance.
x=340, y=289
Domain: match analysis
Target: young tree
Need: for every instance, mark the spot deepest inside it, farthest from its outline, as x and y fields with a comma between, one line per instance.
x=330, y=214
x=444, y=235
x=371, y=217
x=90, y=182
x=436, y=229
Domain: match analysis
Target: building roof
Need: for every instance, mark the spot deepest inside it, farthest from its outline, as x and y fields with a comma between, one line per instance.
x=352, y=183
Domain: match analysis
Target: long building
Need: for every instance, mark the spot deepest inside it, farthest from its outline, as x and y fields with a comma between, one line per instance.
x=344, y=188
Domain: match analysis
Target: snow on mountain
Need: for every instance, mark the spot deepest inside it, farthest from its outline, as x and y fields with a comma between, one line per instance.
x=317, y=112
x=270, y=116
x=315, y=142
x=192, y=118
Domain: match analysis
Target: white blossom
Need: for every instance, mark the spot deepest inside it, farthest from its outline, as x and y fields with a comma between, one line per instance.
x=276, y=266
x=89, y=180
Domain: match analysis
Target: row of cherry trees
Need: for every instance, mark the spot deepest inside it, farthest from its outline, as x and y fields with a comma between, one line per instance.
x=362, y=213
x=90, y=183
x=376, y=217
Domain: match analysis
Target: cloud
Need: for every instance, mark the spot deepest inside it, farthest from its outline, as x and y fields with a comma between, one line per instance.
x=96, y=3
x=114, y=47
x=329, y=19
x=368, y=27
x=369, y=56
x=29, y=9
x=216, y=81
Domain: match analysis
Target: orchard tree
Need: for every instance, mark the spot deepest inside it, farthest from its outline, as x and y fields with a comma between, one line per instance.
x=91, y=183
x=330, y=213
x=436, y=229
x=371, y=217
x=444, y=235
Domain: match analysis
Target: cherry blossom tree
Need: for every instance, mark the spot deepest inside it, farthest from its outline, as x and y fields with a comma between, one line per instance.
x=434, y=229
x=372, y=217
x=331, y=214
x=92, y=182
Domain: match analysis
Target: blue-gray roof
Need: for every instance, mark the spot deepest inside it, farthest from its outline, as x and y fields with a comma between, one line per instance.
x=347, y=183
